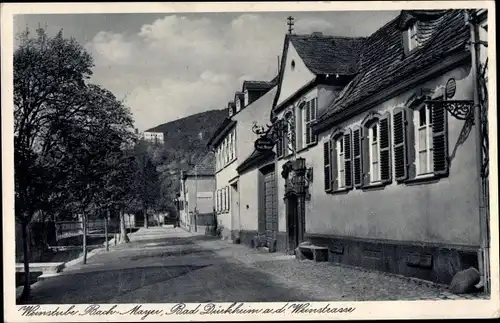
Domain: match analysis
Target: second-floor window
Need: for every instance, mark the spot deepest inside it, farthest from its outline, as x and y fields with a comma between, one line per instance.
x=226, y=152
x=412, y=37
x=308, y=113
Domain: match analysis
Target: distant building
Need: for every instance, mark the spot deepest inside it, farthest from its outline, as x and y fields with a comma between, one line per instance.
x=154, y=137
x=196, y=198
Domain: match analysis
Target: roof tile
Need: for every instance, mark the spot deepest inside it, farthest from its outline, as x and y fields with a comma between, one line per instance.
x=383, y=61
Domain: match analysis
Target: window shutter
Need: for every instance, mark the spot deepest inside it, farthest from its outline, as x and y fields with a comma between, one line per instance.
x=385, y=149
x=440, y=139
x=228, y=198
x=356, y=145
x=308, y=122
x=314, y=109
x=348, y=159
x=365, y=153
x=279, y=144
x=400, y=144
x=327, y=166
x=334, y=163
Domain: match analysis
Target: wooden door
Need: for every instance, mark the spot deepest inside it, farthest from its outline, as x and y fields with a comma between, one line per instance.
x=270, y=206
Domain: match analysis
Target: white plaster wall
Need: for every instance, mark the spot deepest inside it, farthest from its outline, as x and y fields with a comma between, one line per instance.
x=294, y=79
x=442, y=212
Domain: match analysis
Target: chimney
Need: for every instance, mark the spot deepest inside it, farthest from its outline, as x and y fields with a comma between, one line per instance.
x=317, y=34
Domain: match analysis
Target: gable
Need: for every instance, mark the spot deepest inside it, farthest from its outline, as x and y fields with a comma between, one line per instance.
x=294, y=78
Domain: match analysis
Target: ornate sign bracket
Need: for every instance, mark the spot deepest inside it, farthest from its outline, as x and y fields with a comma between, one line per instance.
x=459, y=109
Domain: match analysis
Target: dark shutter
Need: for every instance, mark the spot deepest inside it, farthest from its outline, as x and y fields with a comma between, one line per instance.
x=400, y=142
x=314, y=109
x=308, y=125
x=348, y=159
x=440, y=138
x=385, y=149
x=279, y=144
x=356, y=145
x=365, y=152
x=327, y=166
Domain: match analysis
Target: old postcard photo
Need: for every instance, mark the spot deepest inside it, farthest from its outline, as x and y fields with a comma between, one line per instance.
x=249, y=161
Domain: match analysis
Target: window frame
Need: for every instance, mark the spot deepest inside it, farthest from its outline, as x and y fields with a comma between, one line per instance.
x=410, y=175
x=371, y=143
x=309, y=114
x=340, y=138
x=429, y=163
x=384, y=151
x=413, y=37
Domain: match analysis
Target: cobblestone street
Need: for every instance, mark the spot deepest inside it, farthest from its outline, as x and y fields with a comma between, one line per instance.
x=170, y=265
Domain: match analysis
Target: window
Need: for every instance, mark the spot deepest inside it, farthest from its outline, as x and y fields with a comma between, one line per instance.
x=246, y=97
x=374, y=157
x=289, y=136
x=309, y=112
x=420, y=145
x=372, y=151
x=423, y=145
x=338, y=161
x=412, y=37
x=281, y=142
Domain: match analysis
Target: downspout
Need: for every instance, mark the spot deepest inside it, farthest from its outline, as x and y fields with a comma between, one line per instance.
x=483, y=252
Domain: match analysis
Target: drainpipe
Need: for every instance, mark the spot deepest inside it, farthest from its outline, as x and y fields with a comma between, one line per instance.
x=483, y=252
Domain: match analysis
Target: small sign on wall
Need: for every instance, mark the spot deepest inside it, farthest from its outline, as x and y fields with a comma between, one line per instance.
x=205, y=195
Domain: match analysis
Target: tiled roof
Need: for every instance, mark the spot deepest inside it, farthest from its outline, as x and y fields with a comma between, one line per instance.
x=384, y=62
x=257, y=85
x=328, y=54
x=206, y=167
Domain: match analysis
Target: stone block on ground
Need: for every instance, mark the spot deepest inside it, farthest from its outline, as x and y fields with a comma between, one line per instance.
x=464, y=281
x=299, y=255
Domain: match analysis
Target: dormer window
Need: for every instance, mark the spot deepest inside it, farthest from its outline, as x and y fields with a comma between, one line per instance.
x=230, y=111
x=412, y=37
x=246, y=97
x=238, y=105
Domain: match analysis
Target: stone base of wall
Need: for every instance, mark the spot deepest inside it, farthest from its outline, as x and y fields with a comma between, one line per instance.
x=252, y=239
x=428, y=262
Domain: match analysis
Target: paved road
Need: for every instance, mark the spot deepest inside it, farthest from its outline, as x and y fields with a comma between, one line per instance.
x=167, y=265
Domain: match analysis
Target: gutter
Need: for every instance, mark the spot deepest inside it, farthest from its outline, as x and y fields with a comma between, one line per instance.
x=483, y=252
x=376, y=99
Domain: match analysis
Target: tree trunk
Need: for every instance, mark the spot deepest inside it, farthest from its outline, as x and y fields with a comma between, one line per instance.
x=26, y=250
x=145, y=211
x=106, y=215
x=123, y=230
x=84, y=223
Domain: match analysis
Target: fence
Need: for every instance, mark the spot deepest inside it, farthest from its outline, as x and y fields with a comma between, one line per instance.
x=94, y=226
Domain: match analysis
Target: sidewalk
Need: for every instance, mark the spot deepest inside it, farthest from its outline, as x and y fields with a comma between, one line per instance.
x=326, y=278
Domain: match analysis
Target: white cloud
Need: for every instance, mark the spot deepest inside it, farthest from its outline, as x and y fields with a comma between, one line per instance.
x=112, y=47
x=178, y=65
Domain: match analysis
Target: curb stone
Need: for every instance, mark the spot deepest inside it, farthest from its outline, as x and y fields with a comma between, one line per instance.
x=78, y=260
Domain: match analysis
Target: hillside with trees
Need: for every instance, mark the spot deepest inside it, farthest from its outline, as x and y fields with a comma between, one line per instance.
x=185, y=145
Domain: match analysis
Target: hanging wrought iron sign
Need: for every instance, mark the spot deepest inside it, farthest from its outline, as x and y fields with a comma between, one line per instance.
x=264, y=144
x=451, y=87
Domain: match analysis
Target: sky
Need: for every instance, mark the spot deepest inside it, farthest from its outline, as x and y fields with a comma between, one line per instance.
x=168, y=66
